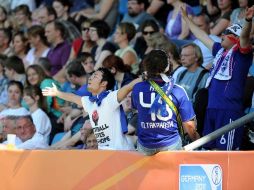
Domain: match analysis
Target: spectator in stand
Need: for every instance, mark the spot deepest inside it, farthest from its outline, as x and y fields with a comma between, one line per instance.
x=158, y=128
x=31, y=4
x=23, y=17
x=3, y=82
x=21, y=46
x=39, y=44
x=219, y=24
x=176, y=27
x=99, y=32
x=191, y=59
x=13, y=107
x=147, y=28
x=48, y=14
x=14, y=69
x=83, y=44
x=233, y=57
x=237, y=16
x=37, y=107
x=5, y=39
x=202, y=21
x=4, y=22
x=60, y=49
x=62, y=8
x=26, y=131
x=137, y=13
x=106, y=10
x=121, y=72
x=124, y=33
x=8, y=124
x=37, y=77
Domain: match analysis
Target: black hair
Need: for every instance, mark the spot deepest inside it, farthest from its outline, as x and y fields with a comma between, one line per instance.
x=103, y=29
x=75, y=68
x=155, y=63
x=16, y=83
x=108, y=77
x=15, y=63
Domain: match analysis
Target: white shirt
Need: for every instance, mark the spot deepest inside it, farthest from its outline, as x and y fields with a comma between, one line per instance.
x=36, y=142
x=106, y=124
x=42, y=123
x=14, y=112
x=30, y=57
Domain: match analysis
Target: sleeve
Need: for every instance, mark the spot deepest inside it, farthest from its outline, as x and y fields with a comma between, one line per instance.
x=134, y=98
x=185, y=106
x=85, y=103
x=112, y=100
x=216, y=48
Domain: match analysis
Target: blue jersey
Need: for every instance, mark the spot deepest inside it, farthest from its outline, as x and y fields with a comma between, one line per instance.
x=155, y=131
x=228, y=94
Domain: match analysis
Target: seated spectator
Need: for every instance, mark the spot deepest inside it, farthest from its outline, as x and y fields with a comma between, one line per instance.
x=125, y=32
x=26, y=131
x=4, y=22
x=219, y=24
x=3, y=81
x=14, y=69
x=22, y=16
x=141, y=46
x=99, y=32
x=37, y=107
x=13, y=107
x=5, y=40
x=91, y=142
x=36, y=77
x=21, y=46
x=83, y=44
x=39, y=44
x=120, y=71
x=8, y=124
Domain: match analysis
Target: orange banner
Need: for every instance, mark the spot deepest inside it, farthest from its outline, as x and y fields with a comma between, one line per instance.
x=79, y=169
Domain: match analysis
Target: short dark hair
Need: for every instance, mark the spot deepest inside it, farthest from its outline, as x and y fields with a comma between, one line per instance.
x=15, y=63
x=128, y=29
x=102, y=28
x=155, y=63
x=16, y=83
x=65, y=3
x=24, y=9
x=51, y=11
x=7, y=33
x=75, y=68
x=108, y=77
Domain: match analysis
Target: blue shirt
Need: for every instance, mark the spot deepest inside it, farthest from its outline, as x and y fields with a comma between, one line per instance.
x=156, y=131
x=228, y=94
x=82, y=91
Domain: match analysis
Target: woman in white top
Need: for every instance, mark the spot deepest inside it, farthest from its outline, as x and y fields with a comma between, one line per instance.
x=13, y=107
x=38, y=42
x=37, y=107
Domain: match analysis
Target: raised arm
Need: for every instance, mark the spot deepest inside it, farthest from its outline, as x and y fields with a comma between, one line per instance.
x=200, y=34
x=124, y=91
x=245, y=34
x=53, y=91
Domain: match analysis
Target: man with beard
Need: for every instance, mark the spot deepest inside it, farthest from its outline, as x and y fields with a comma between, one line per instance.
x=137, y=12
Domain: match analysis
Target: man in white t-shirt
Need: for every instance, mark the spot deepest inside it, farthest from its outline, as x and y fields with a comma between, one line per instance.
x=26, y=132
x=103, y=108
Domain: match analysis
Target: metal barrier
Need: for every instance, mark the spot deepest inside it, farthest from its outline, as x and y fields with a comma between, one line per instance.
x=237, y=123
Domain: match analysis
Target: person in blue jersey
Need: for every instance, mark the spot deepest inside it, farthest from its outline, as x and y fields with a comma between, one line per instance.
x=157, y=125
x=233, y=57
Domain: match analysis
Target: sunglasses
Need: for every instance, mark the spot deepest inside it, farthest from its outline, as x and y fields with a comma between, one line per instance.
x=85, y=28
x=148, y=32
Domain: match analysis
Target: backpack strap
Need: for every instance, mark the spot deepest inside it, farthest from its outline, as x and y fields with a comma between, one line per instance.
x=200, y=77
x=182, y=75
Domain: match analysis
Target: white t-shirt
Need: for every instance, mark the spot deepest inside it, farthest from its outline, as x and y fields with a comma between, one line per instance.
x=14, y=112
x=42, y=123
x=106, y=124
x=36, y=142
x=30, y=57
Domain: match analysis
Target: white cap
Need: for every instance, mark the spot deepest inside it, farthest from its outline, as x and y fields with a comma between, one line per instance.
x=235, y=29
